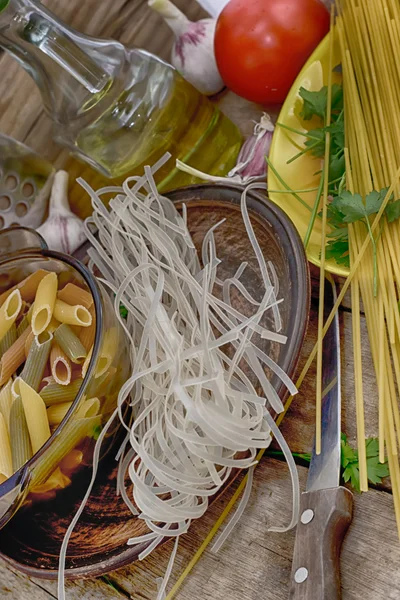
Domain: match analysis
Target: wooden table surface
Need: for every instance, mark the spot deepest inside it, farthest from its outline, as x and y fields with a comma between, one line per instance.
x=254, y=564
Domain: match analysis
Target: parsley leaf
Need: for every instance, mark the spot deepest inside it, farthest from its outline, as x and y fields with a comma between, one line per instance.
x=352, y=474
x=337, y=137
x=337, y=166
x=314, y=103
x=315, y=144
x=348, y=454
x=393, y=211
x=372, y=447
x=353, y=208
x=349, y=462
x=337, y=100
x=376, y=470
x=338, y=250
x=123, y=311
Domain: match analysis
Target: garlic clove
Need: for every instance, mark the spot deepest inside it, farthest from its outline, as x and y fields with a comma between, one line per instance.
x=251, y=164
x=193, y=56
x=251, y=161
x=193, y=51
x=63, y=231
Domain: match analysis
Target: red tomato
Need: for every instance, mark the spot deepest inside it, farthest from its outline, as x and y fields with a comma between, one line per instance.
x=261, y=45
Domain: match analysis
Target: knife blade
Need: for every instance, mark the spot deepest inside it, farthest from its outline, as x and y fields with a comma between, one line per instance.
x=326, y=508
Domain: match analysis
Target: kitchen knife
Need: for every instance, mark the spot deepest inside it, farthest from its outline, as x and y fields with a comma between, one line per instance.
x=326, y=508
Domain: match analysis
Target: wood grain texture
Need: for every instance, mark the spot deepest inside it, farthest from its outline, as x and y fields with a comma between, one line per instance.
x=253, y=564
x=299, y=426
x=325, y=518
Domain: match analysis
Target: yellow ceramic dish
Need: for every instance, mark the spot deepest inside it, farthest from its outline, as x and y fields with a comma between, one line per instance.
x=301, y=174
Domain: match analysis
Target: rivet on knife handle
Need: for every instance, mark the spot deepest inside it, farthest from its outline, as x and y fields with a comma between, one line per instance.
x=324, y=519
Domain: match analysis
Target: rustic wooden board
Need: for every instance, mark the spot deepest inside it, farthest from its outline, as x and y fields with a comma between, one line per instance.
x=254, y=564
x=15, y=586
x=299, y=426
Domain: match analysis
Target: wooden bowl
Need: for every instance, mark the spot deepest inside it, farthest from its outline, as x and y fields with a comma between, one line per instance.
x=32, y=540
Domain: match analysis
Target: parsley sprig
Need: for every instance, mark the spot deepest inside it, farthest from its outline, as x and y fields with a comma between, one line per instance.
x=350, y=464
x=351, y=472
x=344, y=207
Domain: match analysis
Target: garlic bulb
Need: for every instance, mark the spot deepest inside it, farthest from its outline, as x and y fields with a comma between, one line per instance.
x=251, y=164
x=251, y=161
x=193, y=50
x=63, y=231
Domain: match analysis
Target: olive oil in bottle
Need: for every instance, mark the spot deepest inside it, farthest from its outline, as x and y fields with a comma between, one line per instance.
x=117, y=109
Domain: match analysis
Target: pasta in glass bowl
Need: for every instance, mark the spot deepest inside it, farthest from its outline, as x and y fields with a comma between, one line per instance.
x=62, y=365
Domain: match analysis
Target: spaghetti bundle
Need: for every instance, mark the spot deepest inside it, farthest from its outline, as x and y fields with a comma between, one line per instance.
x=368, y=32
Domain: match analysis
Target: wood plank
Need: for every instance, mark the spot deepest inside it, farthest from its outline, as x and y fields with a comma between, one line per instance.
x=14, y=586
x=299, y=425
x=256, y=564
x=91, y=589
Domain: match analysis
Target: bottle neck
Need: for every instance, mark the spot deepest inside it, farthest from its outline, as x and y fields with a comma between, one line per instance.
x=72, y=71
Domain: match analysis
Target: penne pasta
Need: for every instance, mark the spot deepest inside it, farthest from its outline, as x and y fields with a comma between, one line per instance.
x=43, y=305
x=27, y=287
x=63, y=279
x=87, y=334
x=21, y=448
x=71, y=461
x=56, y=481
x=8, y=340
x=28, y=343
x=6, y=467
x=6, y=400
x=52, y=326
x=107, y=353
x=72, y=294
x=29, y=314
x=72, y=315
x=56, y=393
x=36, y=416
x=24, y=324
x=56, y=413
x=15, y=391
x=76, y=329
x=88, y=408
x=25, y=308
x=74, y=433
x=41, y=327
x=86, y=364
x=60, y=365
x=70, y=343
x=36, y=361
x=9, y=312
x=13, y=358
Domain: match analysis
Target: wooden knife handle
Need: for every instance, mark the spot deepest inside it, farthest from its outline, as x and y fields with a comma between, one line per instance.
x=325, y=516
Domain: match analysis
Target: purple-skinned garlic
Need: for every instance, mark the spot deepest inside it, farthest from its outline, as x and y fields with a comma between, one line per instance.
x=251, y=164
x=193, y=50
x=251, y=161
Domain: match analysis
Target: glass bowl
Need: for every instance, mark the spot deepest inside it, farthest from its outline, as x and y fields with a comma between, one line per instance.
x=70, y=447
